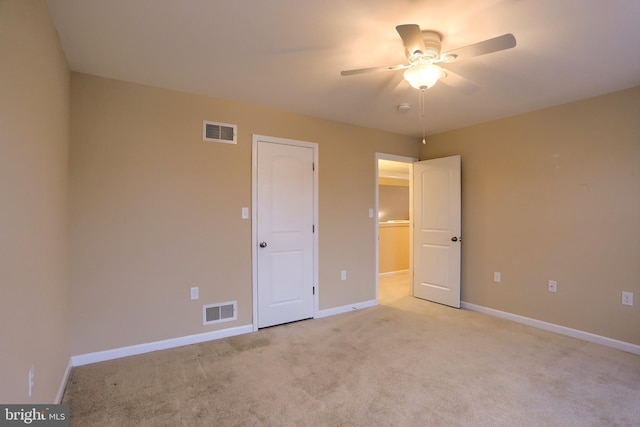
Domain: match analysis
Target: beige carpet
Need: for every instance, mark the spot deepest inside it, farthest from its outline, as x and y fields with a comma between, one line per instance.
x=406, y=362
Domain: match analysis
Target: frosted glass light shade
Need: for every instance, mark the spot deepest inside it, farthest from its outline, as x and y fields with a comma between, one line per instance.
x=423, y=76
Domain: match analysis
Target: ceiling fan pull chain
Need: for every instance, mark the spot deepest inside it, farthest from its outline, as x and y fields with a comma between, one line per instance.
x=422, y=106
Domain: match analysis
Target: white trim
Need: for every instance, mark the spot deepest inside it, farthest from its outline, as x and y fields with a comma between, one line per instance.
x=396, y=158
x=63, y=383
x=393, y=273
x=346, y=308
x=116, y=353
x=552, y=327
x=394, y=224
x=254, y=219
x=254, y=231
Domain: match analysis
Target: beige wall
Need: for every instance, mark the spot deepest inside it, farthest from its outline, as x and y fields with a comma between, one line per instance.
x=393, y=202
x=34, y=121
x=155, y=210
x=554, y=194
x=393, y=249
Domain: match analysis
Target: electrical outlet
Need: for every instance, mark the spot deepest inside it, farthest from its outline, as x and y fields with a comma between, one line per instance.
x=497, y=277
x=195, y=293
x=343, y=275
x=552, y=286
x=627, y=298
x=32, y=382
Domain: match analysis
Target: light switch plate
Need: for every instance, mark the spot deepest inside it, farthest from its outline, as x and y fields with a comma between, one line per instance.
x=627, y=298
x=245, y=213
x=195, y=293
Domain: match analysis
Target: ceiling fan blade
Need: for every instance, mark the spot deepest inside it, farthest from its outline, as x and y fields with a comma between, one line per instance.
x=458, y=82
x=411, y=38
x=505, y=41
x=373, y=69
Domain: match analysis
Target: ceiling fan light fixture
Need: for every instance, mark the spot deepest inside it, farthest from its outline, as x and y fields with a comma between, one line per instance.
x=423, y=76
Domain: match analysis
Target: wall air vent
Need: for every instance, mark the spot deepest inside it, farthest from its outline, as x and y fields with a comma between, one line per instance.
x=219, y=132
x=222, y=312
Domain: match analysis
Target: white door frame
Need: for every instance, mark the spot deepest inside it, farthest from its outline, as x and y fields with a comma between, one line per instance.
x=403, y=159
x=254, y=219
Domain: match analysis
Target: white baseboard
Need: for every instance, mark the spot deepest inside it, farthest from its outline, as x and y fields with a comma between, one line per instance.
x=551, y=327
x=63, y=383
x=345, y=308
x=393, y=273
x=116, y=353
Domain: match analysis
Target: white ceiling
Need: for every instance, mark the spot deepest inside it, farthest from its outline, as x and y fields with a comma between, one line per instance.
x=288, y=54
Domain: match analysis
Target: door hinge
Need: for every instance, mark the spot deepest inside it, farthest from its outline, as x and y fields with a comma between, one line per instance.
x=314, y=290
x=313, y=166
x=313, y=228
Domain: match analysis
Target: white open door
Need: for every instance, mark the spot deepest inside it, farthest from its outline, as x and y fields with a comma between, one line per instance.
x=285, y=230
x=436, y=232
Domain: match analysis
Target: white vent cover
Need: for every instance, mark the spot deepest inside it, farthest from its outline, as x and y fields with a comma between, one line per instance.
x=219, y=132
x=222, y=312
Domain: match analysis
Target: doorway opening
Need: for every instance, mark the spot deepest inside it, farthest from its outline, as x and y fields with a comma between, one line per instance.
x=393, y=219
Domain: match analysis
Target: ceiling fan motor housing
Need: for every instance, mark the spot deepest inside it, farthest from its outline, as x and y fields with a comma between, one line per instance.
x=432, y=45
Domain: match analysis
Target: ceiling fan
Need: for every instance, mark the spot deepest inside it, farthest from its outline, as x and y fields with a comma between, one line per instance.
x=422, y=49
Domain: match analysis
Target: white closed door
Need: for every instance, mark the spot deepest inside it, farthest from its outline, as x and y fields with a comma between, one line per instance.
x=285, y=233
x=437, y=228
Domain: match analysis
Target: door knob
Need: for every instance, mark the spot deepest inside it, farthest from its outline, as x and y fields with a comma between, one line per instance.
x=263, y=244
x=454, y=239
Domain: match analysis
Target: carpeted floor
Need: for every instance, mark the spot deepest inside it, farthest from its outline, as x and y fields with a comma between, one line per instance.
x=406, y=362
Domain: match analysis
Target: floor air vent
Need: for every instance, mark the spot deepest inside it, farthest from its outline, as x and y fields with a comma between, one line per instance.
x=216, y=313
x=219, y=132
